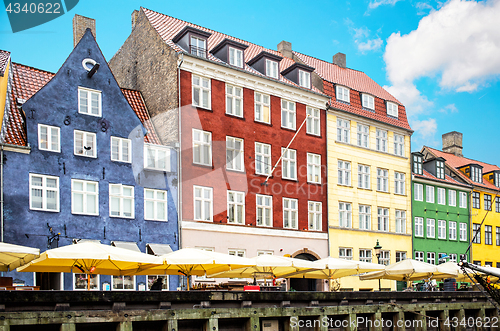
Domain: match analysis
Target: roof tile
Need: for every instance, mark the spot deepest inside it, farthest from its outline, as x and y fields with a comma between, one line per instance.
x=4, y=60
x=448, y=179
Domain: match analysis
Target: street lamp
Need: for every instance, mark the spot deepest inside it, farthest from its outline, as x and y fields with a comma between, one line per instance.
x=378, y=250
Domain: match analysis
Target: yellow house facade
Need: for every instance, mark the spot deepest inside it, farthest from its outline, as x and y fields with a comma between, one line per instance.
x=4, y=80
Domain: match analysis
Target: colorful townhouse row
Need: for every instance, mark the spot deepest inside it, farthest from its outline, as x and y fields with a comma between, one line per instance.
x=189, y=137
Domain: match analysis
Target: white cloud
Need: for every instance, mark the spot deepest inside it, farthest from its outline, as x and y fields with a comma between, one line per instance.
x=460, y=43
x=423, y=8
x=425, y=131
x=361, y=38
x=451, y=108
x=415, y=103
x=375, y=4
x=370, y=45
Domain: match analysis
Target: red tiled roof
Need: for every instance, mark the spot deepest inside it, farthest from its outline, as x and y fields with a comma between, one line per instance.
x=4, y=60
x=360, y=82
x=448, y=179
x=168, y=27
x=460, y=161
x=27, y=81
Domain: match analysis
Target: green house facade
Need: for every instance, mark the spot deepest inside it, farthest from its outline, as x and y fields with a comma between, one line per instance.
x=441, y=213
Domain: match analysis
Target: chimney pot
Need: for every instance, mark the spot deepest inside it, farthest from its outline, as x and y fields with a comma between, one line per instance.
x=340, y=60
x=285, y=48
x=80, y=25
x=452, y=143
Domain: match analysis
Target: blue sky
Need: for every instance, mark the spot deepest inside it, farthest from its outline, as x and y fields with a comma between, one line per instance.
x=441, y=59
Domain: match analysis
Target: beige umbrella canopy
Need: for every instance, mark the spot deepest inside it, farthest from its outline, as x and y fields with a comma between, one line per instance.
x=405, y=270
x=331, y=268
x=450, y=270
x=268, y=266
x=13, y=256
x=92, y=258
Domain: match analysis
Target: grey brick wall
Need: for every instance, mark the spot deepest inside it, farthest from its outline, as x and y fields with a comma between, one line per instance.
x=146, y=63
x=80, y=24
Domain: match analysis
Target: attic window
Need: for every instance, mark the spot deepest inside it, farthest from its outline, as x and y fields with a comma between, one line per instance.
x=392, y=109
x=368, y=101
x=236, y=57
x=497, y=179
x=88, y=64
x=304, y=79
x=417, y=164
x=476, y=174
x=271, y=69
x=440, y=169
x=342, y=93
x=198, y=46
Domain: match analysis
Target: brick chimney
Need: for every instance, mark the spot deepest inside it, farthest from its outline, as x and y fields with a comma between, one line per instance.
x=80, y=24
x=452, y=143
x=285, y=48
x=340, y=60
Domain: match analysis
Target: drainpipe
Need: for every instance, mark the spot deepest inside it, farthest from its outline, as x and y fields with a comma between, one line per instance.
x=179, y=156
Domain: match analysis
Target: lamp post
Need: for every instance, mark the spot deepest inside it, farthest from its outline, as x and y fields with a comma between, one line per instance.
x=378, y=250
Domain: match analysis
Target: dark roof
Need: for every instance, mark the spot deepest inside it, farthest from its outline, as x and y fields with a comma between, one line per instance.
x=26, y=81
x=447, y=180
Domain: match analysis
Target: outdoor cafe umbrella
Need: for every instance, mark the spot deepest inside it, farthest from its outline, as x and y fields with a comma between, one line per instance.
x=13, y=256
x=92, y=258
x=405, y=270
x=450, y=270
x=331, y=268
x=196, y=262
x=268, y=266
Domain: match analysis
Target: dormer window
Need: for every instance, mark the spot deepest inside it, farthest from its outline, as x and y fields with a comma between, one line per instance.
x=392, y=109
x=440, y=170
x=496, y=181
x=304, y=79
x=198, y=46
x=476, y=174
x=368, y=101
x=236, y=57
x=342, y=93
x=272, y=69
x=417, y=163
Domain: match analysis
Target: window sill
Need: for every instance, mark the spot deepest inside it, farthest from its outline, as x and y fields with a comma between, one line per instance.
x=290, y=179
x=314, y=183
x=89, y=157
x=387, y=192
x=313, y=135
x=365, y=189
x=128, y=218
x=288, y=129
x=236, y=171
x=164, y=221
x=202, y=165
x=235, y=116
x=47, y=210
x=343, y=185
x=262, y=122
x=48, y=150
x=202, y=108
x=83, y=214
x=369, y=149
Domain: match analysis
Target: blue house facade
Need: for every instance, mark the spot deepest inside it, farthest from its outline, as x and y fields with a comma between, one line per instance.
x=82, y=161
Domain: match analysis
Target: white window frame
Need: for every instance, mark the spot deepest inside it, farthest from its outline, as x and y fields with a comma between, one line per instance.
x=236, y=57
x=431, y=258
x=199, y=146
x=399, y=144
x=234, y=100
x=121, y=199
x=345, y=215
x=364, y=177
x=385, y=257
x=476, y=174
x=365, y=217
x=203, y=201
x=440, y=170
x=235, y=156
x=452, y=198
x=203, y=86
x=363, y=135
x=345, y=253
x=236, y=252
x=344, y=173
x=342, y=93
x=399, y=183
x=262, y=107
x=264, y=208
x=314, y=168
x=45, y=189
x=88, y=96
x=235, y=201
x=315, y=215
x=418, y=190
x=304, y=79
x=431, y=228
x=289, y=163
x=290, y=213
x=382, y=180
x=271, y=69
x=419, y=256
x=262, y=159
x=381, y=140
x=153, y=157
x=198, y=50
x=156, y=202
x=441, y=196
x=400, y=256
x=151, y=279
x=82, y=151
x=441, y=229
x=114, y=278
x=463, y=231
x=288, y=115
x=429, y=193
x=419, y=227
x=313, y=123
x=85, y=194
x=383, y=219
x=50, y=141
x=368, y=101
x=123, y=149
x=400, y=221
x=365, y=255
x=392, y=109
x=452, y=232
x=264, y=252
x=97, y=282
x=343, y=130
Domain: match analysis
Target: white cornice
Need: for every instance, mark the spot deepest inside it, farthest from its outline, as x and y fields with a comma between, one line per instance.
x=439, y=183
x=251, y=230
x=240, y=78
x=15, y=148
